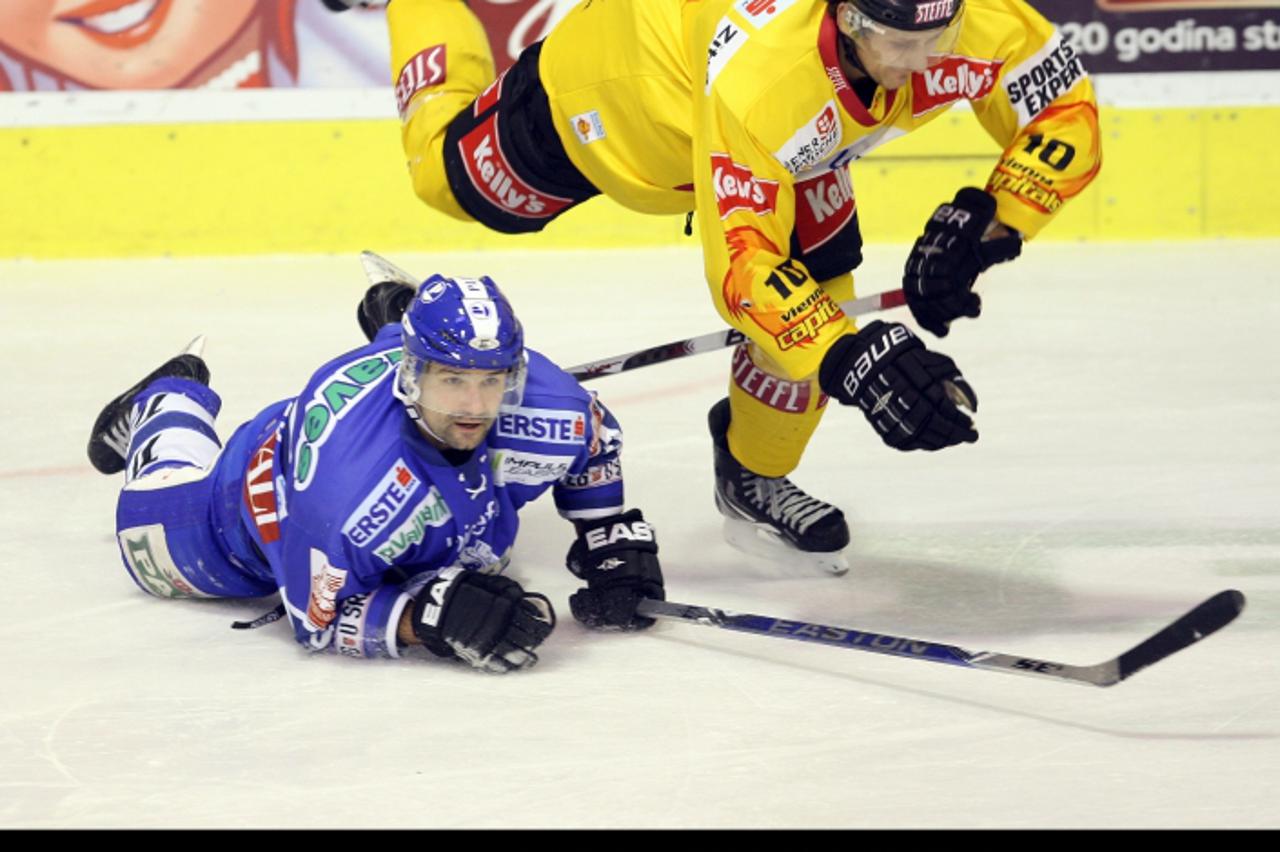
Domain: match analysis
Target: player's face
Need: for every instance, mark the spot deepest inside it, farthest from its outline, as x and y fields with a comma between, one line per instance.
x=892, y=56
x=459, y=406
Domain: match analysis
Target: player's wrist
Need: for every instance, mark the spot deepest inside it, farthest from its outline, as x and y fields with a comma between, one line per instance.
x=404, y=629
x=600, y=539
x=999, y=230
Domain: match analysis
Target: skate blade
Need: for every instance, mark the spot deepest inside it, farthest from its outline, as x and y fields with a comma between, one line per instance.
x=195, y=347
x=378, y=269
x=756, y=540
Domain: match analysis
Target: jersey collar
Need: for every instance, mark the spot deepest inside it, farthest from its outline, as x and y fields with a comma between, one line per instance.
x=829, y=51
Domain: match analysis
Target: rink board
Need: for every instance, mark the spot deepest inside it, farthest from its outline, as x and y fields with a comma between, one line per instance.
x=304, y=186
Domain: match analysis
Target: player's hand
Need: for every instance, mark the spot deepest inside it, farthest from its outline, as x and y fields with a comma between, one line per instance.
x=909, y=394
x=618, y=557
x=947, y=259
x=486, y=620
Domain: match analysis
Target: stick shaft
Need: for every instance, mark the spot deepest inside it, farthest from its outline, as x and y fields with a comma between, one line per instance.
x=1202, y=620
x=714, y=340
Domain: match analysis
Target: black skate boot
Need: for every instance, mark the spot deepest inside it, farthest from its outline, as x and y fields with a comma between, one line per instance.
x=770, y=516
x=344, y=5
x=109, y=440
x=383, y=303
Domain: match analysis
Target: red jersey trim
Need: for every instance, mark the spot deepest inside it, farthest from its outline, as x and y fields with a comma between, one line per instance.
x=830, y=53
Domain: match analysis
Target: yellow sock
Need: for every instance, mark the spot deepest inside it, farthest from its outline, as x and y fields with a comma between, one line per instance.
x=772, y=417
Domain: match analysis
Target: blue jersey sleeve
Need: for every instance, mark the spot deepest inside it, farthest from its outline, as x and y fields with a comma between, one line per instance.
x=336, y=602
x=339, y=594
x=563, y=438
x=593, y=488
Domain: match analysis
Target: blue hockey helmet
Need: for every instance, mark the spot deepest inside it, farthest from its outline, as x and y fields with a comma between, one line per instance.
x=465, y=324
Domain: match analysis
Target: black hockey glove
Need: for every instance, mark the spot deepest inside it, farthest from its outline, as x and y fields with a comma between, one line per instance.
x=947, y=259
x=907, y=393
x=618, y=557
x=486, y=620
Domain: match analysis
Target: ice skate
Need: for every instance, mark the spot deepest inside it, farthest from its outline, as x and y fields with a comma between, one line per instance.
x=109, y=440
x=771, y=517
x=390, y=291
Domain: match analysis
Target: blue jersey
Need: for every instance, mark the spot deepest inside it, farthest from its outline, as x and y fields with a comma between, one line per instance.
x=343, y=504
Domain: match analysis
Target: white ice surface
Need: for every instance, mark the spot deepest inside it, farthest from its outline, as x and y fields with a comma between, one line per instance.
x=1129, y=467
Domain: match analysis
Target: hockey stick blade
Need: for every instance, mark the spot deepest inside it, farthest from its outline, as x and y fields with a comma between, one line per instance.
x=715, y=340
x=1210, y=616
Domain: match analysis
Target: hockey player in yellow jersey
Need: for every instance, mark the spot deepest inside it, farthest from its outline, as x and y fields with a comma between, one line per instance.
x=749, y=112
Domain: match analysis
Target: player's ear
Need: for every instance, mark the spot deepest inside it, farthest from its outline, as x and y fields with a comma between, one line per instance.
x=844, y=18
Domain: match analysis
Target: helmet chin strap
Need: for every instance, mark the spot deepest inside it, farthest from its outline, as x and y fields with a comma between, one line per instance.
x=410, y=403
x=422, y=424
x=850, y=53
x=411, y=409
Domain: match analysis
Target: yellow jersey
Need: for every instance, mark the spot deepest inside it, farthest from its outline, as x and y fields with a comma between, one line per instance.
x=738, y=109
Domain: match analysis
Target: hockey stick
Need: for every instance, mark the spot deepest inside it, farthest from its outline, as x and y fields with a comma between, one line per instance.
x=710, y=342
x=1211, y=615
x=378, y=269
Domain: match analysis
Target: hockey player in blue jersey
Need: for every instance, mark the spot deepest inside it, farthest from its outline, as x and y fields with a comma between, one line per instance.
x=381, y=502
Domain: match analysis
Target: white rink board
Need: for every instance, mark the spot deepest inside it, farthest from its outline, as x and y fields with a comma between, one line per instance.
x=1129, y=467
x=1216, y=89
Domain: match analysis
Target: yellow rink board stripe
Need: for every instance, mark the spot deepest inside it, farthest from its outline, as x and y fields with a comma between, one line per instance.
x=340, y=186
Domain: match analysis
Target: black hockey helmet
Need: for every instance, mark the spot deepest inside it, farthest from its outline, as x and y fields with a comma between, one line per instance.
x=907, y=14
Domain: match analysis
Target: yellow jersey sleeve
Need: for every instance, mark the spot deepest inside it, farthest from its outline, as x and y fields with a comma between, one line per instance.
x=1042, y=111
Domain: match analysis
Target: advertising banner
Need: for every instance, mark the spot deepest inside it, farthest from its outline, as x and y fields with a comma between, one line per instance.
x=63, y=45
x=67, y=45
x=1126, y=36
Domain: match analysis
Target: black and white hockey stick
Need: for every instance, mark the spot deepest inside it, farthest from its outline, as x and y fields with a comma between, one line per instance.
x=715, y=340
x=1212, y=615
x=378, y=269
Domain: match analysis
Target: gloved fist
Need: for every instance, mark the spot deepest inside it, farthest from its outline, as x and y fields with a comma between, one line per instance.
x=487, y=620
x=618, y=557
x=909, y=394
x=947, y=259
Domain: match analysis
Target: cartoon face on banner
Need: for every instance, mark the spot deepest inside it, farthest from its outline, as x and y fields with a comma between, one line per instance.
x=223, y=44
x=138, y=44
